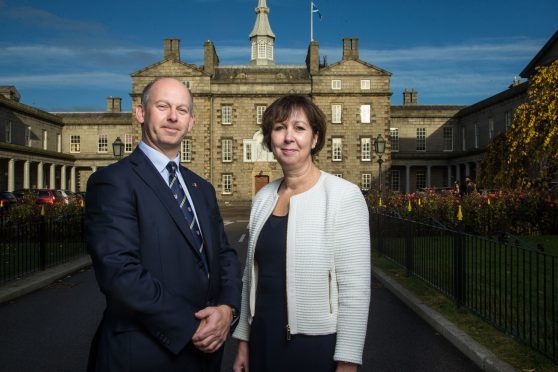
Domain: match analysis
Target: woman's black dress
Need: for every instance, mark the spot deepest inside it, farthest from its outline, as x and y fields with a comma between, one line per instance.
x=269, y=348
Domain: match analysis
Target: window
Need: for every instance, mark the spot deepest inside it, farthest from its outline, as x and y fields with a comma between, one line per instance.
x=476, y=135
x=336, y=149
x=340, y=175
x=336, y=113
x=128, y=142
x=365, y=113
x=27, y=136
x=102, y=143
x=8, y=134
x=262, y=52
x=226, y=114
x=59, y=142
x=421, y=139
x=226, y=145
x=448, y=138
x=227, y=183
x=186, y=150
x=490, y=128
x=259, y=113
x=365, y=149
x=394, y=139
x=45, y=139
x=187, y=84
x=269, y=51
x=395, y=180
x=248, y=146
x=420, y=179
x=508, y=119
x=463, y=143
x=75, y=143
x=365, y=84
x=336, y=84
x=366, y=181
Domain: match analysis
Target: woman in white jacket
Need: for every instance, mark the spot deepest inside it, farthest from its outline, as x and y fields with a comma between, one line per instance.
x=306, y=284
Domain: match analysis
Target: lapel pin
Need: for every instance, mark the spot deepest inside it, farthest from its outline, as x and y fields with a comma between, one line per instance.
x=195, y=184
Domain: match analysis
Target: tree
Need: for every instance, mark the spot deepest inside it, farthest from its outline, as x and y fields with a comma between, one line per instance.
x=530, y=151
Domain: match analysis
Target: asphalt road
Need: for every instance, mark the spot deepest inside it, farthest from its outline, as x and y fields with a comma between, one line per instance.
x=50, y=329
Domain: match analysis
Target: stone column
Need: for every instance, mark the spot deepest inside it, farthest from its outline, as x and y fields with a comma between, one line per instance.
x=467, y=169
x=73, y=179
x=52, y=176
x=26, y=174
x=63, y=177
x=458, y=172
x=11, y=175
x=407, y=179
x=40, y=175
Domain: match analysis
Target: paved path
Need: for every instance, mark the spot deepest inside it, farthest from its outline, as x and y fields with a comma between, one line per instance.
x=50, y=329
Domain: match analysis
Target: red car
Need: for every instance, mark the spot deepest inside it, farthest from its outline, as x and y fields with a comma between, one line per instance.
x=42, y=196
x=45, y=196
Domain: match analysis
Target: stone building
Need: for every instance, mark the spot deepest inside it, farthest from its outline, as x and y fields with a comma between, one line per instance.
x=428, y=145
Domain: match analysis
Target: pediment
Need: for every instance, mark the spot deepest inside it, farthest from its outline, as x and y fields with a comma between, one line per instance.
x=354, y=66
x=169, y=67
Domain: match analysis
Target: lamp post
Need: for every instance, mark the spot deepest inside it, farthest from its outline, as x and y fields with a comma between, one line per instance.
x=118, y=147
x=379, y=149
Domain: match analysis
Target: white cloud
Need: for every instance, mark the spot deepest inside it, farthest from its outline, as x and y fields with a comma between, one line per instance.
x=62, y=80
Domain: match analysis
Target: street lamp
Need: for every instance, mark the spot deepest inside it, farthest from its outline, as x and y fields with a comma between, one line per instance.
x=118, y=147
x=379, y=149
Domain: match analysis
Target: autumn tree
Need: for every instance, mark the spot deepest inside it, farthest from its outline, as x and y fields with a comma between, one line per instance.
x=529, y=153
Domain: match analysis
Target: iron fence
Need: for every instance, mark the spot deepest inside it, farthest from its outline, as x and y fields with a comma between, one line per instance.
x=510, y=285
x=36, y=244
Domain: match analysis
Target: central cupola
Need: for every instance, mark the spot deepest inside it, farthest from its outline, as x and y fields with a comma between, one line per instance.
x=262, y=39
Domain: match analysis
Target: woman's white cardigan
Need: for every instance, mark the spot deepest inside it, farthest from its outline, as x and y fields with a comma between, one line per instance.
x=328, y=263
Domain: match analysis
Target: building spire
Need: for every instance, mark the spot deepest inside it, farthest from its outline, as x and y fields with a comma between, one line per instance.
x=262, y=39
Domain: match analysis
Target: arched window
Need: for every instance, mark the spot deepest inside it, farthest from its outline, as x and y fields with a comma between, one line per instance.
x=262, y=50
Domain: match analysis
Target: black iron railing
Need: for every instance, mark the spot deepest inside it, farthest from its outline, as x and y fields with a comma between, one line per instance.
x=36, y=244
x=512, y=286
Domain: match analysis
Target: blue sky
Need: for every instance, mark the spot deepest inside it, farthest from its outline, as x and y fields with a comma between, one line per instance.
x=68, y=55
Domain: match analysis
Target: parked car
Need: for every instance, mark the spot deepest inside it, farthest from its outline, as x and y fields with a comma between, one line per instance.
x=42, y=196
x=7, y=199
x=65, y=197
x=45, y=196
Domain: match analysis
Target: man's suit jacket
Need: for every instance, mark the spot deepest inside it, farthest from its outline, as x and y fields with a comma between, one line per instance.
x=151, y=274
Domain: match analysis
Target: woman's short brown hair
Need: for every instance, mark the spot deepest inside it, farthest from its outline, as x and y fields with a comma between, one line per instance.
x=283, y=107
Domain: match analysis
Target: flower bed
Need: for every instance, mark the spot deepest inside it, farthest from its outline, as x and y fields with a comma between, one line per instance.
x=513, y=212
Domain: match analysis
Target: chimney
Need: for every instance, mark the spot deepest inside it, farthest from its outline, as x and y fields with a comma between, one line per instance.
x=350, y=48
x=172, y=49
x=313, y=58
x=10, y=92
x=410, y=97
x=210, y=58
x=414, y=97
x=114, y=104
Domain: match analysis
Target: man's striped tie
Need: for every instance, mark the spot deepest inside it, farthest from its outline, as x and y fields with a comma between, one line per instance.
x=187, y=211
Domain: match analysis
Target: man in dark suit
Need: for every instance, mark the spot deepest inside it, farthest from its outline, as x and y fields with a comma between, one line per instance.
x=159, y=250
